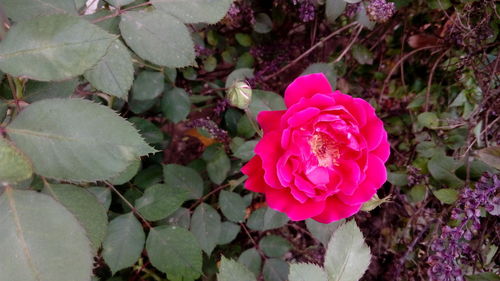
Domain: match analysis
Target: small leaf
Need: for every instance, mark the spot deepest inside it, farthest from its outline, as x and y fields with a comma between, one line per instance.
x=41, y=240
x=251, y=260
x=230, y=269
x=237, y=75
x=428, y=120
x=347, y=257
x=195, y=11
x=274, y=246
x=265, y=101
x=333, y=9
x=417, y=193
x=275, y=270
x=218, y=165
x=15, y=167
x=124, y=242
x=321, y=231
x=446, y=195
x=176, y=105
x=35, y=91
x=232, y=206
x=30, y=47
x=159, y=201
x=442, y=169
x=490, y=156
x=75, y=139
x=245, y=151
x=263, y=23
x=362, y=17
x=306, y=272
x=266, y=218
x=206, y=227
x=183, y=178
x=229, y=232
x=362, y=54
x=174, y=250
x=147, y=87
x=150, y=35
x=485, y=276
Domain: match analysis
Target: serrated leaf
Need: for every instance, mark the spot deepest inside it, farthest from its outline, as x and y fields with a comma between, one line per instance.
x=232, y=206
x=114, y=73
x=321, y=231
x=151, y=133
x=127, y=174
x=490, y=156
x=53, y=47
x=35, y=91
x=266, y=218
x=333, y=9
x=20, y=10
x=347, y=257
x=41, y=240
x=251, y=260
x=124, y=242
x=428, y=120
x=195, y=11
x=275, y=270
x=15, y=167
x=206, y=227
x=159, y=201
x=442, y=169
x=306, y=272
x=176, y=105
x=75, y=139
x=181, y=218
x=246, y=150
x=228, y=233
x=218, y=165
x=175, y=251
x=85, y=207
x=102, y=194
x=150, y=35
x=274, y=246
x=183, y=178
x=446, y=195
x=229, y=270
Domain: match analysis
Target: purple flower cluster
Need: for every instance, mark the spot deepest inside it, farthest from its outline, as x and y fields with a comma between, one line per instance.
x=307, y=10
x=352, y=9
x=240, y=14
x=451, y=249
x=380, y=10
x=211, y=128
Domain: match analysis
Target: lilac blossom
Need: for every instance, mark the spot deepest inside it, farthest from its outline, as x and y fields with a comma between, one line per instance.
x=380, y=10
x=307, y=10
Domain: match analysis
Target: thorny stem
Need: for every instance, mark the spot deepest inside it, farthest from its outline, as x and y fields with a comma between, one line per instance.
x=253, y=240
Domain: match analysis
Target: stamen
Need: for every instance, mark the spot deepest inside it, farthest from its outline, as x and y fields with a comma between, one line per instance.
x=325, y=149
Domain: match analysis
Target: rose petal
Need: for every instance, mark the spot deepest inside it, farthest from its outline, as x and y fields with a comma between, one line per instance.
x=270, y=120
x=375, y=172
x=283, y=201
x=373, y=132
x=383, y=150
x=253, y=169
x=285, y=169
x=318, y=175
x=335, y=210
x=350, y=173
x=363, y=193
x=269, y=150
x=303, y=116
x=306, y=86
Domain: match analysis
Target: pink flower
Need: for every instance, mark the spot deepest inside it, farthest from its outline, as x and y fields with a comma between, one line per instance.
x=323, y=157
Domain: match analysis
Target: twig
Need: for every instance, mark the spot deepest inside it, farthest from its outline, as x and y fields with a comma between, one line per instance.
x=429, y=82
x=208, y=195
x=253, y=241
x=349, y=46
x=482, y=132
x=134, y=210
x=331, y=35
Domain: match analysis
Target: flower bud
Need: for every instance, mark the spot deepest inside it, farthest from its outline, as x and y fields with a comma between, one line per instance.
x=239, y=95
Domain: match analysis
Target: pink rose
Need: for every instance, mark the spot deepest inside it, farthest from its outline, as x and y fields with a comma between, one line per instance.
x=323, y=157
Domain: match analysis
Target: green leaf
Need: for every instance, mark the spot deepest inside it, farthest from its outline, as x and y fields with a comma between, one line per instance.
x=206, y=227
x=325, y=68
x=229, y=232
x=124, y=242
x=21, y=10
x=128, y=173
x=114, y=73
x=439, y=4
x=251, y=260
x=417, y=193
x=102, y=194
x=245, y=151
x=149, y=176
x=397, y=178
x=238, y=74
x=275, y=270
x=263, y=23
x=229, y=270
x=85, y=207
x=176, y=105
x=321, y=231
x=119, y=3
x=41, y=240
x=485, y=276
x=150, y=35
x=347, y=257
x=218, y=164
x=362, y=17
x=175, y=251
x=362, y=54
x=490, y=156
x=75, y=139
x=53, y=47
x=442, y=169
x=428, y=120
x=147, y=87
x=307, y=271
x=152, y=134
x=35, y=91
x=333, y=9
x=265, y=101
x=274, y=246
x=15, y=167
x=232, y=206
x=181, y=218
x=446, y=195
x=159, y=201
x=266, y=218
x=195, y=11
x=183, y=178
x=243, y=39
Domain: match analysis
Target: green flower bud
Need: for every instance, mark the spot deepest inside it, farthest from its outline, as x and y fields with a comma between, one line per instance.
x=239, y=95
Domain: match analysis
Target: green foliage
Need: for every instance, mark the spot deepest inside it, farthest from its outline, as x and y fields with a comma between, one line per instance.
x=323, y=232
x=183, y=178
x=229, y=269
x=206, y=227
x=274, y=246
x=266, y=218
x=159, y=201
x=176, y=104
x=306, y=272
x=16, y=167
x=232, y=206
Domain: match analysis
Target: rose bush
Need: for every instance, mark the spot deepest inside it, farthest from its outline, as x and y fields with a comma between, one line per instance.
x=321, y=158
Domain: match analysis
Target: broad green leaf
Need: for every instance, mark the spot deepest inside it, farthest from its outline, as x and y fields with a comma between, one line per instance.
x=151, y=133
x=442, y=169
x=333, y=9
x=397, y=178
x=175, y=251
x=265, y=101
x=128, y=173
x=446, y=195
x=15, y=167
x=362, y=54
x=229, y=270
x=41, y=240
x=228, y=233
x=218, y=163
x=114, y=73
x=246, y=150
x=21, y=10
x=176, y=105
x=119, y=3
x=35, y=91
x=251, y=260
x=428, y=120
x=183, y=178
x=232, y=206
x=195, y=11
x=307, y=271
x=147, y=87
x=53, y=47
x=266, y=218
x=274, y=246
x=322, y=231
x=417, y=193
x=490, y=156
x=243, y=39
x=158, y=37
x=347, y=257
x=124, y=242
x=102, y=194
x=149, y=176
x=275, y=270
x=181, y=218
x=439, y=4
x=85, y=207
x=159, y=201
x=325, y=68
x=263, y=23
x=75, y=139
x=206, y=227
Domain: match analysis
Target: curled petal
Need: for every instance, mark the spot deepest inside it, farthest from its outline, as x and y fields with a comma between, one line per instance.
x=373, y=132
x=306, y=86
x=255, y=181
x=383, y=150
x=269, y=150
x=282, y=200
x=336, y=210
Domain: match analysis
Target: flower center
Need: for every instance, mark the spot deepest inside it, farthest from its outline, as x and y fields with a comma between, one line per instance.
x=325, y=149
